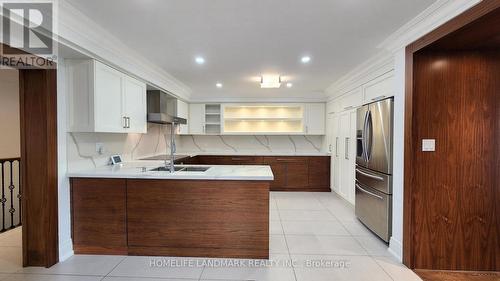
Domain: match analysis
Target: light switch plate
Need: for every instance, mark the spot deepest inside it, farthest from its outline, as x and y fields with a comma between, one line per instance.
x=428, y=145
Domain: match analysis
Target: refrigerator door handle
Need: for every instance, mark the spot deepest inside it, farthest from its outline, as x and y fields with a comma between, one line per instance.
x=368, y=192
x=370, y=175
x=369, y=146
x=363, y=142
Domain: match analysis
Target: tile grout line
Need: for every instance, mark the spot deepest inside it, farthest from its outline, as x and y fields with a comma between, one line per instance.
x=114, y=267
x=383, y=269
x=286, y=243
x=201, y=274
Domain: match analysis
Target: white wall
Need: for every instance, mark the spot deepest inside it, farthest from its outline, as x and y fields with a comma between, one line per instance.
x=10, y=135
x=65, y=242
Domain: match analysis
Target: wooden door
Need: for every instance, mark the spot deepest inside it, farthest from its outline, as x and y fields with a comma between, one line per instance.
x=455, y=188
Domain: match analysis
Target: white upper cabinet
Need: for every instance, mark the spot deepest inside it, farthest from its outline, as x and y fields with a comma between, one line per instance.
x=379, y=88
x=352, y=99
x=183, y=112
x=134, y=105
x=196, y=119
x=108, y=105
x=103, y=99
x=315, y=119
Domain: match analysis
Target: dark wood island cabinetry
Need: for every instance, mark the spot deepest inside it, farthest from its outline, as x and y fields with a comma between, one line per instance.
x=195, y=218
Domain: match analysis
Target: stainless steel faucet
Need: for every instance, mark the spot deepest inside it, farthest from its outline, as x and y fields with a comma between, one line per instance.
x=173, y=148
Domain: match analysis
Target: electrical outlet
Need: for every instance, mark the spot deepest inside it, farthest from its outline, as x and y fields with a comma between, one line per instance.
x=99, y=148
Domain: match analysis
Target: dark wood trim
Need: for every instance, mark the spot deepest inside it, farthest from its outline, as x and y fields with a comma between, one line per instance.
x=435, y=275
x=38, y=112
x=476, y=12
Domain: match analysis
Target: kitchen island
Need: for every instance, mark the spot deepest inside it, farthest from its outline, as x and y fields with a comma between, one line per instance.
x=132, y=210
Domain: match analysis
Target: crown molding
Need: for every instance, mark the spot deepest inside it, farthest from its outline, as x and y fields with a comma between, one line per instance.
x=434, y=16
x=378, y=65
x=82, y=34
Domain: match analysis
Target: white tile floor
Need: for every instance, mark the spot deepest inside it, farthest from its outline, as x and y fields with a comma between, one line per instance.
x=314, y=237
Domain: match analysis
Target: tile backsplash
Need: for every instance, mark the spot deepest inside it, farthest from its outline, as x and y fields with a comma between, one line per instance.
x=82, y=152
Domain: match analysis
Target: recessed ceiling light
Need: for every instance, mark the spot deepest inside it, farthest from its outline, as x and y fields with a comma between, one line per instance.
x=270, y=81
x=218, y=85
x=289, y=85
x=305, y=59
x=199, y=60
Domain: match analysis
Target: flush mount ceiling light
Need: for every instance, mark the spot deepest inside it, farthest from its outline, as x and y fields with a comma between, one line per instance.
x=289, y=85
x=199, y=60
x=305, y=59
x=218, y=85
x=270, y=81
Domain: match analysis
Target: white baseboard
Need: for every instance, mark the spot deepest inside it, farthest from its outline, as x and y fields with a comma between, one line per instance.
x=66, y=250
x=396, y=249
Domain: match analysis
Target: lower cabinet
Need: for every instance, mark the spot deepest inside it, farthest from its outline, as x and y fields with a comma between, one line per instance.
x=99, y=218
x=291, y=173
x=194, y=218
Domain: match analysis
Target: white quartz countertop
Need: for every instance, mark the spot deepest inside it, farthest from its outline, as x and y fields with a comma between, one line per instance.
x=141, y=170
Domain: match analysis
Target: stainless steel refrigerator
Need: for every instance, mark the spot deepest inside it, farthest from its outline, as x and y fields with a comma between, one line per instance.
x=374, y=167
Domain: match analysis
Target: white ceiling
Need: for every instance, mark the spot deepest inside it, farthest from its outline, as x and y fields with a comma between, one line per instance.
x=241, y=39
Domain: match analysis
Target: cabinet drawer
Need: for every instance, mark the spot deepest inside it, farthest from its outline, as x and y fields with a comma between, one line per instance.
x=246, y=160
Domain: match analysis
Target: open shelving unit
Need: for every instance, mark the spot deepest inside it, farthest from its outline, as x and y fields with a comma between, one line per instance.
x=212, y=119
x=263, y=119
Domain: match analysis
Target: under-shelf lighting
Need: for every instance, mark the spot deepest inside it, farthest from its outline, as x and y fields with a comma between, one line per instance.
x=270, y=81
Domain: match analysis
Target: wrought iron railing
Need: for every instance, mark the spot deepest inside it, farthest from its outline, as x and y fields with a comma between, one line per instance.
x=10, y=180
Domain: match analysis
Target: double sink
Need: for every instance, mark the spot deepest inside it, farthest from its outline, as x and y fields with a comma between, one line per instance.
x=195, y=169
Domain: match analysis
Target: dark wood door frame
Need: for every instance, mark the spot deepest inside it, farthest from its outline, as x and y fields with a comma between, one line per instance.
x=476, y=12
x=38, y=115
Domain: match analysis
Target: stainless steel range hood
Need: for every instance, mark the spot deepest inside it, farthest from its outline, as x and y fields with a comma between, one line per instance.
x=162, y=108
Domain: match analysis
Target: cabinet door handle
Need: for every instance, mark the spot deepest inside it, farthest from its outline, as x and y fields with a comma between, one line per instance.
x=337, y=147
x=347, y=148
x=330, y=148
x=125, y=122
x=128, y=122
